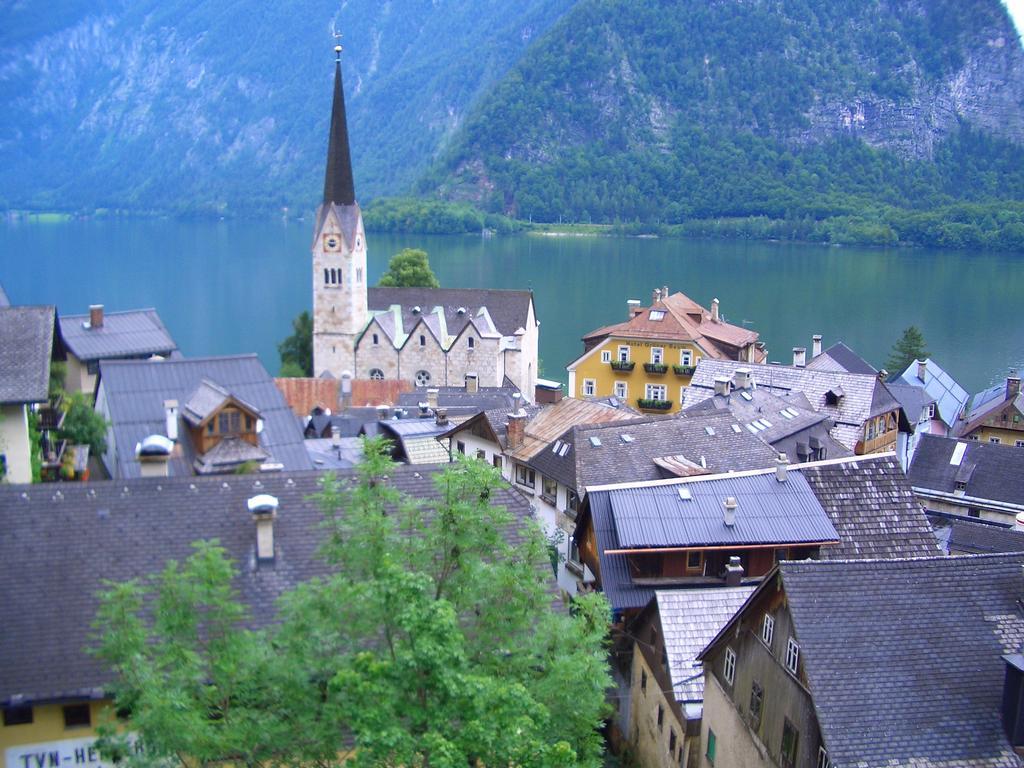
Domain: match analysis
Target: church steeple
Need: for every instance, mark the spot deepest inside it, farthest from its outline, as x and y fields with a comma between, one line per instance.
x=339, y=187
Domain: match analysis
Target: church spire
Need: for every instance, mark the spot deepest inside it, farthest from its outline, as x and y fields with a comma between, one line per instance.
x=339, y=188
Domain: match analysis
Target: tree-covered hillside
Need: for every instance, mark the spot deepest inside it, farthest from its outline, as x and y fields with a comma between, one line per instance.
x=663, y=111
x=222, y=107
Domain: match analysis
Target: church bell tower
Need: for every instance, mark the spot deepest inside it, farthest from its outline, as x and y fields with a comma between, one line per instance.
x=339, y=253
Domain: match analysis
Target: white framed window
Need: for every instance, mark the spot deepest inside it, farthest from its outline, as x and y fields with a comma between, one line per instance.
x=729, y=670
x=606, y=355
x=931, y=410
x=655, y=392
x=768, y=629
x=549, y=489
x=622, y=391
x=657, y=355
x=685, y=357
x=526, y=476
x=792, y=655
x=589, y=387
x=624, y=354
x=823, y=761
x=422, y=378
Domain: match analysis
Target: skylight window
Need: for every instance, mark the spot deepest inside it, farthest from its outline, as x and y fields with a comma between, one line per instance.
x=710, y=431
x=746, y=396
x=657, y=314
x=785, y=413
x=752, y=429
x=556, y=447
x=737, y=428
x=626, y=438
x=958, y=454
x=766, y=422
x=684, y=493
x=564, y=449
x=595, y=441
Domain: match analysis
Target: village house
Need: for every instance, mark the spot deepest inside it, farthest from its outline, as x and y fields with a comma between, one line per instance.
x=649, y=359
x=834, y=663
x=868, y=419
x=132, y=335
x=963, y=536
x=427, y=336
x=995, y=415
x=53, y=692
x=30, y=341
x=186, y=416
x=932, y=400
x=964, y=477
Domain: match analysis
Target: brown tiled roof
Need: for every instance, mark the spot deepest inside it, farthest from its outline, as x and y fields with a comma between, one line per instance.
x=304, y=394
x=555, y=419
x=684, y=320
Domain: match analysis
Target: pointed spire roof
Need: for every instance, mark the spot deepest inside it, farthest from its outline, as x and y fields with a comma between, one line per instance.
x=339, y=187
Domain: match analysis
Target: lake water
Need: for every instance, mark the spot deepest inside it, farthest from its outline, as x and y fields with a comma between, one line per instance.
x=233, y=287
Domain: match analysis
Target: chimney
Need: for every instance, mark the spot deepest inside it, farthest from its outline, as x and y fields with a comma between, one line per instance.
x=264, y=512
x=664, y=292
x=922, y=367
x=799, y=357
x=346, y=389
x=171, y=419
x=656, y=296
x=883, y=375
x=729, y=506
x=424, y=411
x=1012, y=387
x=442, y=417
x=815, y=345
x=714, y=310
x=733, y=572
x=432, y=398
x=633, y=308
x=154, y=455
x=382, y=413
x=722, y=385
x=516, y=427
x=780, y=468
x=335, y=436
x=743, y=378
x=95, y=316
x=472, y=383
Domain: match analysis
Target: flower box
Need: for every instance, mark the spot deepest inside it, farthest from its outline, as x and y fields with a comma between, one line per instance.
x=684, y=370
x=655, y=367
x=653, y=405
x=622, y=365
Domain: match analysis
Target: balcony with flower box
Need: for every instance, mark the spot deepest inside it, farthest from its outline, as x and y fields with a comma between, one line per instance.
x=648, y=404
x=657, y=368
x=622, y=365
x=684, y=370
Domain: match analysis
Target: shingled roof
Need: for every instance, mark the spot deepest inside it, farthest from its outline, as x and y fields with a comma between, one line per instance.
x=134, y=392
x=991, y=472
x=875, y=641
x=840, y=357
x=135, y=333
x=965, y=536
x=509, y=310
x=127, y=529
x=26, y=347
x=941, y=388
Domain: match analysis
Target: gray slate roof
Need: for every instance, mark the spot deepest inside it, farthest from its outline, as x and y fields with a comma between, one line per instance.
x=690, y=619
x=127, y=529
x=135, y=391
x=26, y=346
x=840, y=357
x=628, y=449
x=508, y=309
x=458, y=400
x=968, y=536
x=135, y=333
x=864, y=396
x=994, y=472
x=913, y=648
x=912, y=399
x=948, y=396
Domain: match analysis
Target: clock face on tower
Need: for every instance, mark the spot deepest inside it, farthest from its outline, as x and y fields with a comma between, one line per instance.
x=332, y=243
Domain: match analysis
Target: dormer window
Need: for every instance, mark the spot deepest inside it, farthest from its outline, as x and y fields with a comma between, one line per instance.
x=229, y=422
x=657, y=314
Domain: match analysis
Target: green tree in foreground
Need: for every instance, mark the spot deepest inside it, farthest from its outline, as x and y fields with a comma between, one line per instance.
x=83, y=425
x=434, y=649
x=296, y=351
x=409, y=268
x=909, y=348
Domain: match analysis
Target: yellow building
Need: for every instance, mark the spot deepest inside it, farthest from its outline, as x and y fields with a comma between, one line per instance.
x=996, y=415
x=648, y=360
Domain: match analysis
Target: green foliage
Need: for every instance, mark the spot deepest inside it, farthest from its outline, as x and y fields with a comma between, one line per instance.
x=908, y=348
x=35, y=447
x=437, y=217
x=409, y=268
x=437, y=648
x=296, y=351
x=83, y=425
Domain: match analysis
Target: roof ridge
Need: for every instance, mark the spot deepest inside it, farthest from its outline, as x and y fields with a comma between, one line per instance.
x=900, y=560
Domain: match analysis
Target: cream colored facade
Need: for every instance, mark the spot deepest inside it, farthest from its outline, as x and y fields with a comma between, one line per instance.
x=47, y=742
x=599, y=372
x=77, y=377
x=14, y=443
x=734, y=743
x=654, y=745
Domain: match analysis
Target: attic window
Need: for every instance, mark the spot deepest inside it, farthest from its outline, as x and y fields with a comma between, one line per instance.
x=737, y=428
x=556, y=446
x=746, y=396
x=595, y=441
x=710, y=431
x=626, y=438
x=564, y=449
x=684, y=493
x=834, y=395
x=960, y=485
x=657, y=314
x=229, y=422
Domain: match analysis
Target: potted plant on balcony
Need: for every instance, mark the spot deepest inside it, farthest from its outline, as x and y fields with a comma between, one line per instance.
x=622, y=365
x=655, y=367
x=684, y=370
x=648, y=404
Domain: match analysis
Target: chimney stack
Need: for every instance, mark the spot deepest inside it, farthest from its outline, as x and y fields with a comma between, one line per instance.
x=781, y=464
x=656, y=296
x=733, y=572
x=633, y=308
x=815, y=345
x=922, y=368
x=714, y=310
x=743, y=378
x=472, y=383
x=154, y=455
x=516, y=429
x=95, y=316
x=799, y=357
x=264, y=512
x=664, y=292
x=171, y=419
x=432, y=398
x=335, y=436
x=722, y=385
x=1012, y=387
x=382, y=413
x=729, y=506
x=441, y=415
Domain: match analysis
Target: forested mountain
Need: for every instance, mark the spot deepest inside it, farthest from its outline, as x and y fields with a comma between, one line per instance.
x=222, y=105
x=664, y=111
